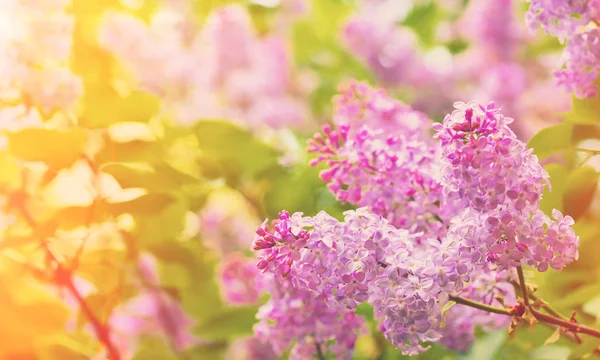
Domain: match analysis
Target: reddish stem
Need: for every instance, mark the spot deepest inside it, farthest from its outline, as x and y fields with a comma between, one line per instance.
x=64, y=278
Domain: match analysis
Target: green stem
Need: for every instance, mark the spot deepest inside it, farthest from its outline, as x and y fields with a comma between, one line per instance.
x=320, y=354
x=524, y=291
x=480, y=306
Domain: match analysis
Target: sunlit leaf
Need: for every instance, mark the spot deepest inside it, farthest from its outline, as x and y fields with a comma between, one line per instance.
x=228, y=142
x=158, y=177
x=579, y=191
x=145, y=204
x=553, y=198
x=486, y=347
x=592, y=307
x=551, y=140
x=550, y=353
x=211, y=351
x=578, y=296
x=229, y=323
x=57, y=148
x=154, y=348
x=585, y=350
x=423, y=19
x=10, y=175
x=584, y=111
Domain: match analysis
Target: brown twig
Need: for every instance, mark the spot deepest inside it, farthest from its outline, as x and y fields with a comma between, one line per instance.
x=64, y=278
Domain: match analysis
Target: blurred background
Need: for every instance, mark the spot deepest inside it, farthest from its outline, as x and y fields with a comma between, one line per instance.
x=143, y=141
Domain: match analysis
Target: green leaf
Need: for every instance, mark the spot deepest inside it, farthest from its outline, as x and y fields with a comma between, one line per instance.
x=154, y=348
x=444, y=310
x=592, y=307
x=15, y=241
x=579, y=190
x=144, y=205
x=366, y=310
x=228, y=142
x=211, y=351
x=585, y=350
x=553, y=199
x=577, y=297
x=584, y=111
x=486, y=347
x=423, y=19
x=132, y=151
x=551, y=140
x=306, y=184
x=138, y=106
x=10, y=174
x=230, y=323
x=79, y=346
x=104, y=107
x=57, y=148
x=550, y=353
x=157, y=177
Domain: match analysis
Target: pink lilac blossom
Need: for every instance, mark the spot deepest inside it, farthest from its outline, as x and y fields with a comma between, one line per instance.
x=391, y=52
x=581, y=59
x=35, y=57
x=556, y=17
x=381, y=156
x=499, y=182
x=151, y=311
x=342, y=264
x=240, y=280
x=199, y=75
x=224, y=232
x=576, y=23
x=504, y=82
x=491, y=25
x=459, y=332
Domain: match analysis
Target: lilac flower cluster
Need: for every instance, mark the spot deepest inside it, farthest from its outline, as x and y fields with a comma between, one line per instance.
x=240, y=281
x=337, y=265
x=486, y=285
x=199, y=76
x=491, y=26
x=575, y=22
x=35, y=50
x=382, y=156
x=499, y=182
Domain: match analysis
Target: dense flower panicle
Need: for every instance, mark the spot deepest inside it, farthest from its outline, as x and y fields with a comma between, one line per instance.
x=240, y=280
x=576, y=23
x=298, y=317
x=492, y=25
x=581, y=59
x=504, y=83
x=35, y=57
x=224, y=232
x=357, y=103
x=558, y=17
x=382, y=156
x=339, y=265
x=200, y=76
x=499, y=182
x=390, y=51
x=461, y=321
